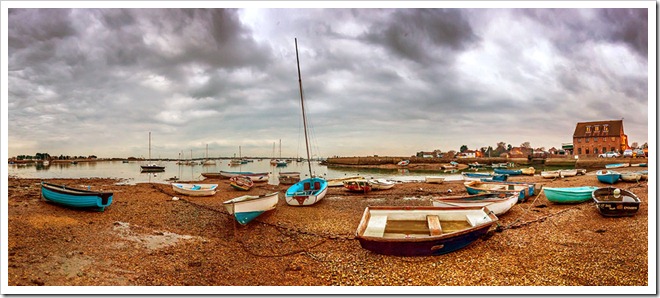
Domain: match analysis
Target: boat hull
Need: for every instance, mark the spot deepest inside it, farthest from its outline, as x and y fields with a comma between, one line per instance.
x=478, y=187
x=75, y=198
x=569, y=195
x=608, y=205
x=498, y=203
x=195, y=190
x=507, y=171
x=306, y=192
x=246, y=208
x=434, y=179
x=378, y=232
x=609, y=177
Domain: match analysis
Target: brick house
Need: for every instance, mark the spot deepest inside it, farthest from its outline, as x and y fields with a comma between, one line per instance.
x=596, y=137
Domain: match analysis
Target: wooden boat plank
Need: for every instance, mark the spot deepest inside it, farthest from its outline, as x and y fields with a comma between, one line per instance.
x=434, y=225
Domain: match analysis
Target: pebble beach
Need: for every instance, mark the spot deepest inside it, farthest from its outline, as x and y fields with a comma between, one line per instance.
x=151, y=236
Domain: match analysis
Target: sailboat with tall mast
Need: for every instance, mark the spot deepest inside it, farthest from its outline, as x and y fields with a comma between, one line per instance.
x=208, y=162
x=313, y=189
x=151, y=167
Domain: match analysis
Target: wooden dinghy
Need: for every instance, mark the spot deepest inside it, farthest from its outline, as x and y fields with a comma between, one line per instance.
x=615, y=202
x=477, y=187
x=568, y=173
x=422, y=230
x=241, y=183
x=569, y=195
x=76, y=198
x=357, y=185
x=528, y=171
x=246, y=208
x=195, y=190
x=289, y=178
x=499, y=203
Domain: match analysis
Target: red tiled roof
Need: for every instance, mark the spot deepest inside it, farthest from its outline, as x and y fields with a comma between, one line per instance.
x=615, y=129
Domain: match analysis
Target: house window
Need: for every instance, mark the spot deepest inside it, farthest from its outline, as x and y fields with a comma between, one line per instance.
x=579, y=150
x=579, y=140
x=595, y=139
x=595, y=150
x=588, y=129
x=605, y=128
x=613, y=139
x=596, y=128
x=604, y=149
x=586, y=151
x=586, y=140
x=612, y=149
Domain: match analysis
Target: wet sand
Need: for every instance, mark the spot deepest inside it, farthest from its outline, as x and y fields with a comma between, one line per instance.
x=147, y=239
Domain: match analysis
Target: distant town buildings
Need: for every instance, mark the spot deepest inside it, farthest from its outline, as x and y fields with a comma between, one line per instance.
x=596, y=137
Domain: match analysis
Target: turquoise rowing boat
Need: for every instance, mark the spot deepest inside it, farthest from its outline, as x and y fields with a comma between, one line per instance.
x=76, y=198
x=569, y=195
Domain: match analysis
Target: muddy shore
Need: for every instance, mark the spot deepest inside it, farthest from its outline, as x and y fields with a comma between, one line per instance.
x=145, y=238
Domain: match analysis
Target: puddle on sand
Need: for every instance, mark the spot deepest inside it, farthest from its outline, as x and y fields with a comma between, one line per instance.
x=153, y=241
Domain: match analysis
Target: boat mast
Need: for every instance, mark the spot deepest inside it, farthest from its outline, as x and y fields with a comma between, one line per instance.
x=149, y=146
x=302, y=104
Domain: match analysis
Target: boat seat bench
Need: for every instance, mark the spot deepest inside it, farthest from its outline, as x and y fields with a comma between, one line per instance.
x=376, y=227
x=434, y=225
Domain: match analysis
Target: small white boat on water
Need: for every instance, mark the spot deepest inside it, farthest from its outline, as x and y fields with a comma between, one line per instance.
x=403, y=163
x=195, y=190
x=246, y=208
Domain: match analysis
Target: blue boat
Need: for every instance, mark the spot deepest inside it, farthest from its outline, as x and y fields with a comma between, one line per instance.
x=608, y=176
x=617, y=165
x=77, y=198
x=569, y=195
x=246, y=208
x=307, y=192
x=487, y=176
x=507, y=171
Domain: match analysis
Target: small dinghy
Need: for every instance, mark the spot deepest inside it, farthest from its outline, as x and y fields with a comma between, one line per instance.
x=76, y=198
x=615, y=202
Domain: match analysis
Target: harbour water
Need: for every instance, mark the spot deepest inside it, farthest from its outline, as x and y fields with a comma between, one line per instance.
x=131, y=171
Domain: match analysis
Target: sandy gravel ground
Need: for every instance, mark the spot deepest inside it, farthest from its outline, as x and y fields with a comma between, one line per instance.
x=147, y=239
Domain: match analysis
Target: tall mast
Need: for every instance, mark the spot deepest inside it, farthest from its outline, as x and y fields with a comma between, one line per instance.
x=149, y=146
x=302, y=104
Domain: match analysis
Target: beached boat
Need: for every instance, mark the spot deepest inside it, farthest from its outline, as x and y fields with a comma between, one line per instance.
x=403, y=163
x=581, y=171
x=77, y=198
x=311, y=190
x=477, y=187
x=475, y=165
x=434, y=179
x=257, y=177
x=502, y=165
x=485, y=176
x=449, y=166
x=617, y=165
x=340, y=181
x=357, y=185
x=551, y=174
x=246, y=208
x=608, y=176
x=195, y=190
x=528, y=171
x=422, y=230
x=569, y=195
x=229, y=174
x=289, y=178
x=241, y=182
x=151, y=167
x=615, y=202
x=499, y=203
x=507, y=171
x=631, y=176
x=568, y=173
x=381, y=184
x=645, y=174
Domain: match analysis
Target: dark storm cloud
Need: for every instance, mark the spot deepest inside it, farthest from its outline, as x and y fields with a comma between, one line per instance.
x=423, y=35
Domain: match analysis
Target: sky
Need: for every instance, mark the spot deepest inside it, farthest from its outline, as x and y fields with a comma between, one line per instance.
x=376, y=81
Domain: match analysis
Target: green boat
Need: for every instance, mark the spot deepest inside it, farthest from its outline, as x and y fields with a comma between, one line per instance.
x=569, y=195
